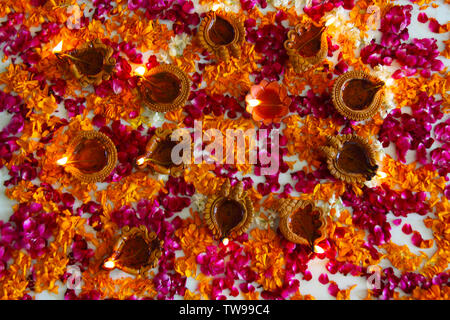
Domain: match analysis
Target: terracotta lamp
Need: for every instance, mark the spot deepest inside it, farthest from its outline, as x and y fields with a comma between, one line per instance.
x=90, y=156
x=164, y=88
x=158, y=154
x=268, y=102
x=350, y=158
x=306, y=46
x=136, y=252
x=302, y=222
x=229, y=213
x=357, y=95
x=222, y=34
x=90, y=64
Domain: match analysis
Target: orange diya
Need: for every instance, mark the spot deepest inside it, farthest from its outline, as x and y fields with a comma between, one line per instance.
x=268, y=102
x=90, y=64
x=90, y=156
x=136, y=252
x=302, y=222
x=357, y=95
x=222, y=34
x=158, y=154
x=229, y=213
x=306, y=46
x=164, y=88
x=350, y=158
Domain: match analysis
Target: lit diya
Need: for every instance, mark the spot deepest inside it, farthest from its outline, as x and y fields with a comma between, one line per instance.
x=90, y=156
x=164, y=88
x=158, y=154
x=222, y=34
x=229, y=213
x=136, y=252
x=357, y=95
x=302, y=222
x=306, y=46
x=90, y=64
x=268, y=102
x=350, y=158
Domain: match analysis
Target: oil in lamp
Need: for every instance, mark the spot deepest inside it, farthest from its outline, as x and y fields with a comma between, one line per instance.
x=302, y=222
x=90, y=64
x=350, y=158
x=229, y=213
x=163, y=88
x=136, y=252
x=90, y=156
x=222, y=34
x=357, y=95
x=306, y=46
x=268, y=102
x=158, y=154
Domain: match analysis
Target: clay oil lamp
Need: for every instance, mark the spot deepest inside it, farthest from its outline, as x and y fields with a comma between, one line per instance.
x=357, y=95
x=229, y=213
x=158, y=154
x=350, y=158
x=163, y=88
x=302, y=222
x=90, y=64
x=90, y=156
x=268, y=102
x=306, y=46
x=136, y=252
x=222, y=34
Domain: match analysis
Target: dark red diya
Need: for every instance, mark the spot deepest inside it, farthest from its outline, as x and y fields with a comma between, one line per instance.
x=357, y=95
x=220, y=31
x=90, y=156
x=164, y=88
x=350, y=158
x=306, y=46
x=222, y=34
x=136, y=252
x=91, y=63
x=230, y=212
x=307, y=40
x=302, y=222
x=158, y=154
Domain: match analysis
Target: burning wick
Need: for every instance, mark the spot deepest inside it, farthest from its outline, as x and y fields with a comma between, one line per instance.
x=140, y=71
x=225, y=241
x=62, y=161
x=318, y=249
x=381, y=175
x=254, y=102
x=109, y=264
x=140, y=161
x=58, y=47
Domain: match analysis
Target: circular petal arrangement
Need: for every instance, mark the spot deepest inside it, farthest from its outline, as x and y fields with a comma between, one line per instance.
x=353, y=127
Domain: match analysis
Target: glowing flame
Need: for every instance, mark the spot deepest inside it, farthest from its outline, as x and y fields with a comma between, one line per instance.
x=381, y=175
x=58, y=47
x=140, y=71
x=140, y=161
x=318, y=249
x=225, y=241
x=109, y=264
x=62, y=161
x=253, y=102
